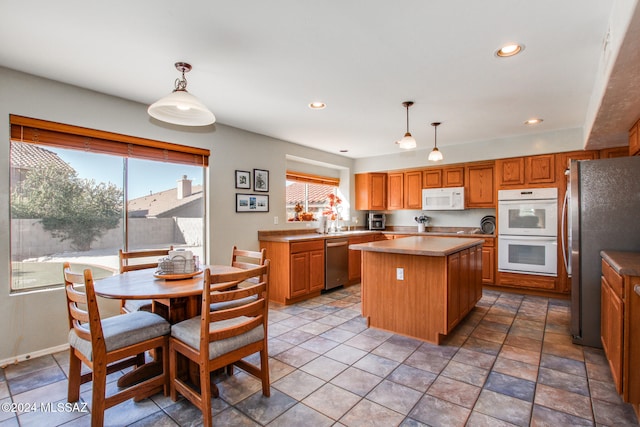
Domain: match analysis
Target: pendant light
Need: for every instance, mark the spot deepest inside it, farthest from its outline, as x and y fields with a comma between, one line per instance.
x=180, y=107
x=435, y=155
x=407, y=142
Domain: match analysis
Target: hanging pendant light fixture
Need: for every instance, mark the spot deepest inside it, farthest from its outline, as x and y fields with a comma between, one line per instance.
x=407, y=142
x=180, y=107
x=435, y=155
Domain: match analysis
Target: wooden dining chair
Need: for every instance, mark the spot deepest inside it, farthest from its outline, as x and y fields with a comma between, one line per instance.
x=135, y=260
x=245, y=260
x=110, y=345
x=220, y=338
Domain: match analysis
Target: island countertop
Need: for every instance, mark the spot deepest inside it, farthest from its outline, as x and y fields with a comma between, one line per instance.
x=420, y=245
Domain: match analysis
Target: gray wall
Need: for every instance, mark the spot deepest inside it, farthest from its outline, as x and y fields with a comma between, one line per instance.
x=34, y=322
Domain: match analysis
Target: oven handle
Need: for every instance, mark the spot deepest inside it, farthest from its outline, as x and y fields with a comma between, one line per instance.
x=563, y=226
x=525, y=201
x=529, y=238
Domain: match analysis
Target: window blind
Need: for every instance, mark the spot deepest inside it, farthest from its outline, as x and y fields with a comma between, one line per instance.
x=312, y=179
x=36, y=131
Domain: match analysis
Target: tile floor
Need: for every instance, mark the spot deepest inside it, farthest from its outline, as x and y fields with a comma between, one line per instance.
x=510, y=362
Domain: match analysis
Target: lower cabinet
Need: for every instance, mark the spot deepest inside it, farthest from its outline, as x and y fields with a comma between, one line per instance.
x=297, y=270
x=355, y=258
x=620, y=321
x=464, y=270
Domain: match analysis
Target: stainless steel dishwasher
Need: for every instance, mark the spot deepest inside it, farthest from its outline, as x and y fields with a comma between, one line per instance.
x=336, y=261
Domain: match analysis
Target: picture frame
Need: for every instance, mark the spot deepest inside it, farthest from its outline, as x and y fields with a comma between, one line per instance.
x=261, y=180
x=243, y=179
x=252, y=202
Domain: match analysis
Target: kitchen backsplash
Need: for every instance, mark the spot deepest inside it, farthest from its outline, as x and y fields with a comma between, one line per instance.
x=465, y=218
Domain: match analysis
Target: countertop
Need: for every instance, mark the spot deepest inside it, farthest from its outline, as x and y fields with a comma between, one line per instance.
x=624, y=263
x=287, y=237
x=420, y=245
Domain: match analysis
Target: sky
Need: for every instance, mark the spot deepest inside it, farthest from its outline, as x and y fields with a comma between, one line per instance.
x=145, y=176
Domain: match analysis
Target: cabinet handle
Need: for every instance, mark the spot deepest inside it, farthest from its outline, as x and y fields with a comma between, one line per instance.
x=636, y=289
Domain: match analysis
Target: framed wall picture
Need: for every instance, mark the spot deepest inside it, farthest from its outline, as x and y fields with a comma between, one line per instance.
x=260, y=180
x=252, y=203
x=243, y=179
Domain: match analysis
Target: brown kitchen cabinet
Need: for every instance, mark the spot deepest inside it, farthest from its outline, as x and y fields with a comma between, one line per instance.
x=611, y=321
x=480, y=190
x=371, y=191
x=620, y=321
x=463, y=269
x=355, y=257
x=432, y=178
x=297, y=270
x=489, y=261
x=526, y=171
x=610, y=153
x=395, y=190
x=453, y=176
x=413, y=190
x=634, y=139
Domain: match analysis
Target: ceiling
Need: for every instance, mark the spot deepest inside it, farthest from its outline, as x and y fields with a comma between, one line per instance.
x=258, y=64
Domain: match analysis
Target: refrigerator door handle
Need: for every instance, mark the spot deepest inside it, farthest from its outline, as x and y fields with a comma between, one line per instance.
x=563, y=230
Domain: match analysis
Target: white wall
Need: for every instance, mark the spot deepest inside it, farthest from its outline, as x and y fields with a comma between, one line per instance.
x=36, y=321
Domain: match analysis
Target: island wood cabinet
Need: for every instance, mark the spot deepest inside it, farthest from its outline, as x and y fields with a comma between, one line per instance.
x=420, y=287
x=296, y=271
x=620, y=321
x=464, y=269
x=371, y=191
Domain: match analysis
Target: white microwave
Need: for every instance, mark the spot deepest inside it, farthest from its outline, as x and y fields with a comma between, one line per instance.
x=443, y=199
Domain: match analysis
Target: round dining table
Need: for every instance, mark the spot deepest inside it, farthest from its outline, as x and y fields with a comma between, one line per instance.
x=175, y=299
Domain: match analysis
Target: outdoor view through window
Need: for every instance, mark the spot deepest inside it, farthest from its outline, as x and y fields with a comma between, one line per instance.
x=68, y=205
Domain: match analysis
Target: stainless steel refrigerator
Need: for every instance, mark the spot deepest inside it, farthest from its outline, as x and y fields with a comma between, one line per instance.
x=604, y=210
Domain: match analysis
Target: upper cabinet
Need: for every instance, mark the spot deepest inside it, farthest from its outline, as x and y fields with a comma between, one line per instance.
x=531, y=170
x=432, y=178
x=371, y=191
x=634, y=140
x=480, y=190
x=413, y=190
x=453, y=176
x=395, y=190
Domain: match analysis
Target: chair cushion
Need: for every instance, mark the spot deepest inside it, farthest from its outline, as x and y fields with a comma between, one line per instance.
x=235, y=303
x=124, y=330
x=132, y=305
x=188, y=332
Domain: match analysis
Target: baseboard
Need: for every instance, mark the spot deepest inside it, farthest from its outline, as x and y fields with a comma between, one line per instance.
x=22, y=357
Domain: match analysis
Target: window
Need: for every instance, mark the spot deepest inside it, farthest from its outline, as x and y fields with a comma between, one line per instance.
x=307, y=195
x=69, y=190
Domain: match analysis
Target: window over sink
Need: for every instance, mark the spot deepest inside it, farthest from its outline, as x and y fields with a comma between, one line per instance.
x=307, y=196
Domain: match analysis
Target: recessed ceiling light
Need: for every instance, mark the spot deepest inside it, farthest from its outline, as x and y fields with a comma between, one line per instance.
x=533, y=121
x=318, y=105
x=510, y=49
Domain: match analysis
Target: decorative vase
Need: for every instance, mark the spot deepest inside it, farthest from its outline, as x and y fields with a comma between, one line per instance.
x=421, y=228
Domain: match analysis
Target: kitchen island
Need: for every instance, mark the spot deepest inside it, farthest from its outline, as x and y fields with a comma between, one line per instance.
x=421, y=287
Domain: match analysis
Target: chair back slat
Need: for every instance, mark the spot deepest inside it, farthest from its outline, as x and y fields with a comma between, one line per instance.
x=256, y=311
x=126, y=257
x=241, y=328
x=246, y=259
x=79, y=317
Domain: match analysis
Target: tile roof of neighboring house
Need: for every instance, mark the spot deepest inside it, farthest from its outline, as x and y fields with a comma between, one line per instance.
x=161, y=204
x=27, y=156
x=317, y=194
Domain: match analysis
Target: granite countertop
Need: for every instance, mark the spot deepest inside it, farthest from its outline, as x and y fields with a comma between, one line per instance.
x=420, y=245
x=302, y=237
x=624, y=263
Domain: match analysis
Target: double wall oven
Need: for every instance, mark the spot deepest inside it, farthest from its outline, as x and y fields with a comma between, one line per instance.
x=528, y=231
